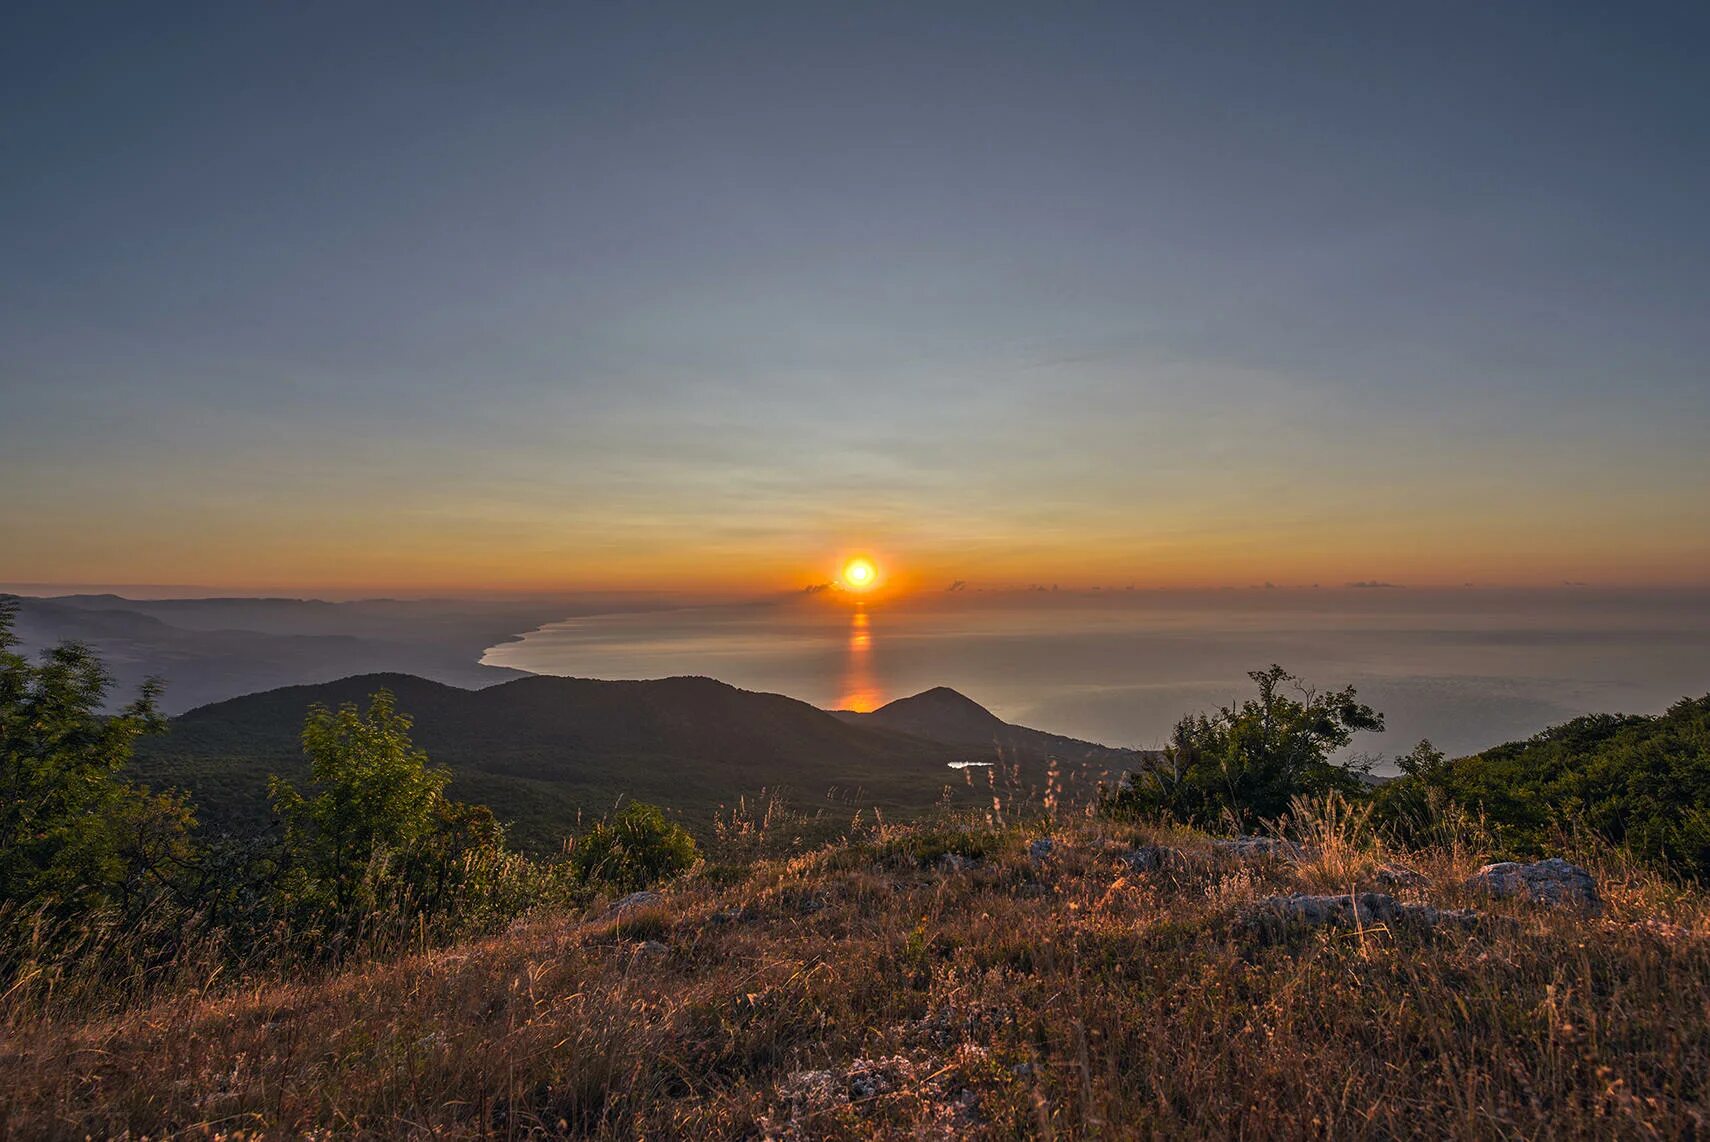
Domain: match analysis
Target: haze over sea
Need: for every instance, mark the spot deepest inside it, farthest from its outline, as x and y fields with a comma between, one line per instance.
x=1467, y=668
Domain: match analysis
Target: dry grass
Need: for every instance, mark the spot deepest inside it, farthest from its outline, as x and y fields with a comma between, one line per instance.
x=860, y=990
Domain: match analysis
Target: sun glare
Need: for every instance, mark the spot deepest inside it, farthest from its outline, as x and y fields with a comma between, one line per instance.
x=860, y=574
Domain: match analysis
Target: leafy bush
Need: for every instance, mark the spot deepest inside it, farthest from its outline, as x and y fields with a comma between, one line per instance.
x=1641, y=782
x=1246, y=764
x=634, y=848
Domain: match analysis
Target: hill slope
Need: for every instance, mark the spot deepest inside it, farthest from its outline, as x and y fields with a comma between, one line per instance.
x=541, y=750
x=944, y=715
x=860, y=990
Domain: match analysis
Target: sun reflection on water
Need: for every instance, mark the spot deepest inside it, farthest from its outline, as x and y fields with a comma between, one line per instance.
x=860, y=691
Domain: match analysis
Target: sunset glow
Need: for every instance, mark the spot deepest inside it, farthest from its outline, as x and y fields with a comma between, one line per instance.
x=860, y=574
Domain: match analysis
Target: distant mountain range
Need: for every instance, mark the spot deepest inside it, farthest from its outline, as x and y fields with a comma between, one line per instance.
x=544, y=750
x=210, y=649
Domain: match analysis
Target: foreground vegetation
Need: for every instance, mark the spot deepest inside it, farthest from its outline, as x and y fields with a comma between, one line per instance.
x=1640, y=782
x=866, y=987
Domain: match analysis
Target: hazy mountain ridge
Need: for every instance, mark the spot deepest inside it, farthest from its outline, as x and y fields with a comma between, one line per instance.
x=212, y=649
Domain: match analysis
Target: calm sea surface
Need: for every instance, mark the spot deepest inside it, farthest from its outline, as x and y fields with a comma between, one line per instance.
x=1465, y=668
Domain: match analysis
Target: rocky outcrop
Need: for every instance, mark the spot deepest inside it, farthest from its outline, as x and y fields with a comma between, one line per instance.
x=1550, y=881
x=1155, y=858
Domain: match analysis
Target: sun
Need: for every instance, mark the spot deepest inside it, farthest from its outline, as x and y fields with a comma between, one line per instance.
x=860, y=574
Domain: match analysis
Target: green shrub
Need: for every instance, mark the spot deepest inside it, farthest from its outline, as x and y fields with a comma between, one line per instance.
x=1243, y=765
x=1638, y=781
x=929, y=844
x=633, y=848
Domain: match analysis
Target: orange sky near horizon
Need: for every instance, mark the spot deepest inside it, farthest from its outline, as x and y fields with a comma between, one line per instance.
x=397, y=565
x=1271, y=501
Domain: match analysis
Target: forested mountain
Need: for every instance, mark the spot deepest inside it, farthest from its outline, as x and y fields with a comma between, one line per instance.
x=543, y=751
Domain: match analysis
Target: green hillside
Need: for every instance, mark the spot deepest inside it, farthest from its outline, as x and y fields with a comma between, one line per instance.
x=540, y=751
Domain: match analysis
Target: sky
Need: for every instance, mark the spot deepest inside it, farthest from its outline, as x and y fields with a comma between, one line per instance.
x=563, y=296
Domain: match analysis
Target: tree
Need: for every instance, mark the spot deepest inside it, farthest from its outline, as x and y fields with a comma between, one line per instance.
x=374, y=796
x=1244, y=764
x=75, y=834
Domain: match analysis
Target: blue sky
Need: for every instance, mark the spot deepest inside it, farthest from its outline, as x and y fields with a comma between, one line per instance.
x=585, y=295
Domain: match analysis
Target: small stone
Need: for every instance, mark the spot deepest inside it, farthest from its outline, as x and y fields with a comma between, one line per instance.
x=1257, y=848
x=731, y=916
x=1151, y=858
x=1549, y=881
x=812, y=1090
x=869, y=1078
x=631, y=902
x=1339, y=911
x=1395, y=876
x=1353, y=910
x=1041, y=848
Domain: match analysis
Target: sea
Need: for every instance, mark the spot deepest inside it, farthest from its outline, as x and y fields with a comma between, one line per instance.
x=1466, y=668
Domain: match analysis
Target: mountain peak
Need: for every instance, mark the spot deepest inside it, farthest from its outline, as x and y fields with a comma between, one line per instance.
x=940, y=701
x=942, y=714
x=946, y=715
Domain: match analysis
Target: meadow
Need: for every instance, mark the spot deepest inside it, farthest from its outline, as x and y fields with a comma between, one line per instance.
x=943, y=978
